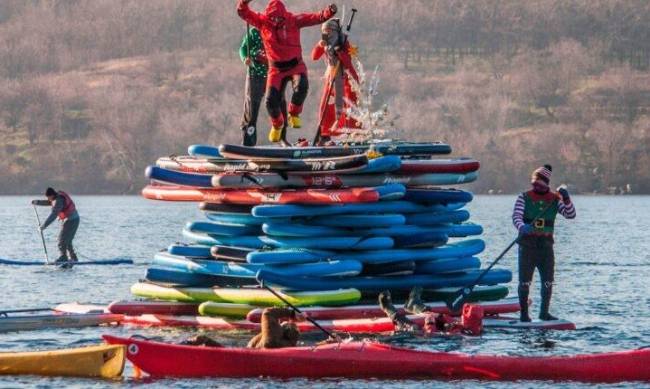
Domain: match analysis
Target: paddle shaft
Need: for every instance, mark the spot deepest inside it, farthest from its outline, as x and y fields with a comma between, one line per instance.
x=312, y=321
x=248, y=41
x=330, y=87
x=4, y=313
x=40, y=232
x=464, y=292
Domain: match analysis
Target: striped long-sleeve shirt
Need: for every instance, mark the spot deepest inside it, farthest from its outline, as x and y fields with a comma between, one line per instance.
x=566, y=210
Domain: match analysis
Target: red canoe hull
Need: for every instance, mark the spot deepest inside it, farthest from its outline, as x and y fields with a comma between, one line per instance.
x=373, y=360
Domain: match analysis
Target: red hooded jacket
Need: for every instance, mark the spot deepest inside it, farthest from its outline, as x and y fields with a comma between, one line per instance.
x=280, y=29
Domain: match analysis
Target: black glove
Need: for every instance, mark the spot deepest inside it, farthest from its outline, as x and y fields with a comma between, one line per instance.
x=565, y=194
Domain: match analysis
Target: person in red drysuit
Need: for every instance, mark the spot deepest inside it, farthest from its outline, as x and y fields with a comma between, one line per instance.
x=338, y=54
x=470, y=323
x=280, y=32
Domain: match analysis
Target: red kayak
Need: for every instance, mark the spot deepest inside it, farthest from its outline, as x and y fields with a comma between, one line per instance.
x=508, y=305
x=420, y=166
x=376, y=360
x=134, y=308
x=254, y=197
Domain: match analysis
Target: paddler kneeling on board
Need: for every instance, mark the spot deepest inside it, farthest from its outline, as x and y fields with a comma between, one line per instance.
x=64, y=208
x=470, y=323
x=534, y=217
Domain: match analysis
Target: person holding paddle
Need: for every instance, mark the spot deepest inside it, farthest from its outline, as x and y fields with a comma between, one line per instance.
x=534, y=218
x=338, y=93
x=253, y=55
x=64, y=208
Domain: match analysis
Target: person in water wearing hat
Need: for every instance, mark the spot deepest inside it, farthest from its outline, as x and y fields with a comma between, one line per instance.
x=64, y=208
x=534, y=218
x=280, y=32
x=470, y=322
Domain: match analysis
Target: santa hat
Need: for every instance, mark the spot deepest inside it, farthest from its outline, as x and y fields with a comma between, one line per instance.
x=542, y=174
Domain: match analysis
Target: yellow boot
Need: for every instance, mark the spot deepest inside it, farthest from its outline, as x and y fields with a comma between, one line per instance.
x=294, y=121
x=275, y=134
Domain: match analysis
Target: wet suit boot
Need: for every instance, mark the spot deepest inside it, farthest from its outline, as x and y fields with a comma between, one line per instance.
x=249, y=136
x=414, y=303
x=400, y=321
x=523, y=292
x=547, y=293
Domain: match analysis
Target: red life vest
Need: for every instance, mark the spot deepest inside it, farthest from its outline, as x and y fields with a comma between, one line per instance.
x=68, y=206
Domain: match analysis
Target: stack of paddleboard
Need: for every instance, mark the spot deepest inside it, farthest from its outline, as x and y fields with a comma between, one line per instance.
x=324, y=225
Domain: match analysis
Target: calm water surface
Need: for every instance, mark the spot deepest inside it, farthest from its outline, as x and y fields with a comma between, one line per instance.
x=603, y=268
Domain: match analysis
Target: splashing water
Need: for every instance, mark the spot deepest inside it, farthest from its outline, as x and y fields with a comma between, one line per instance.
x=375, y=125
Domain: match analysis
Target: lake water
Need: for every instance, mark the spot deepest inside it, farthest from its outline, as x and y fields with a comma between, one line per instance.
x=602, y=271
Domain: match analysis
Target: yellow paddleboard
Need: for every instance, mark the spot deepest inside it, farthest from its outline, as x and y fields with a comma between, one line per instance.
x=105, y=361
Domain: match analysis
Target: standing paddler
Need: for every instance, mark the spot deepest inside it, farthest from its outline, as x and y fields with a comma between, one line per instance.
x=253, y=55
x=64, y=208
x=536, y=241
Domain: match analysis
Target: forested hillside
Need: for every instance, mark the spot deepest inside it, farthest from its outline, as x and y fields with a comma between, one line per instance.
x=92, y=91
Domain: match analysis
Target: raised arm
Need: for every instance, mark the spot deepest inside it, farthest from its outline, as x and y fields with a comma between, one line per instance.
x=566, y=207
x=312, y=19
x=249, y=16
x=317, y=52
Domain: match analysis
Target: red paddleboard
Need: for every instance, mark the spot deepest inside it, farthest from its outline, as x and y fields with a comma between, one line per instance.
x=460, y=165
x=134, y=308
x=376, y=360
x=508, y=305
x=365, y=325
x=254, y=197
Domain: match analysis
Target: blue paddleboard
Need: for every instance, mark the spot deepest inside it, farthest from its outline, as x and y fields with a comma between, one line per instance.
x=448, y=265
x=166, y=176
x=437, y=196
x=323, y=243
x=377, y=284
x=223, y=229
x=433, y=218
x=295, y=210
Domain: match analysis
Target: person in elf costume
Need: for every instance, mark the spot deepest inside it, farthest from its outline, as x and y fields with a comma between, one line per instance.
x=534, y=217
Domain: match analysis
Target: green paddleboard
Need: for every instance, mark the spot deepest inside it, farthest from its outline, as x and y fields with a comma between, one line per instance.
x=253, y=296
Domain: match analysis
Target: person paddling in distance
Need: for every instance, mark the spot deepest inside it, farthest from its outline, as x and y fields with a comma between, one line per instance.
x=280, y=32
x=536, y=237
x=254, y=57
x=470, y=323
x=64, y=208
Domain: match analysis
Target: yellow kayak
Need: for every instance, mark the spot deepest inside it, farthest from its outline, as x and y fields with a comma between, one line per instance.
x=105, y=361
